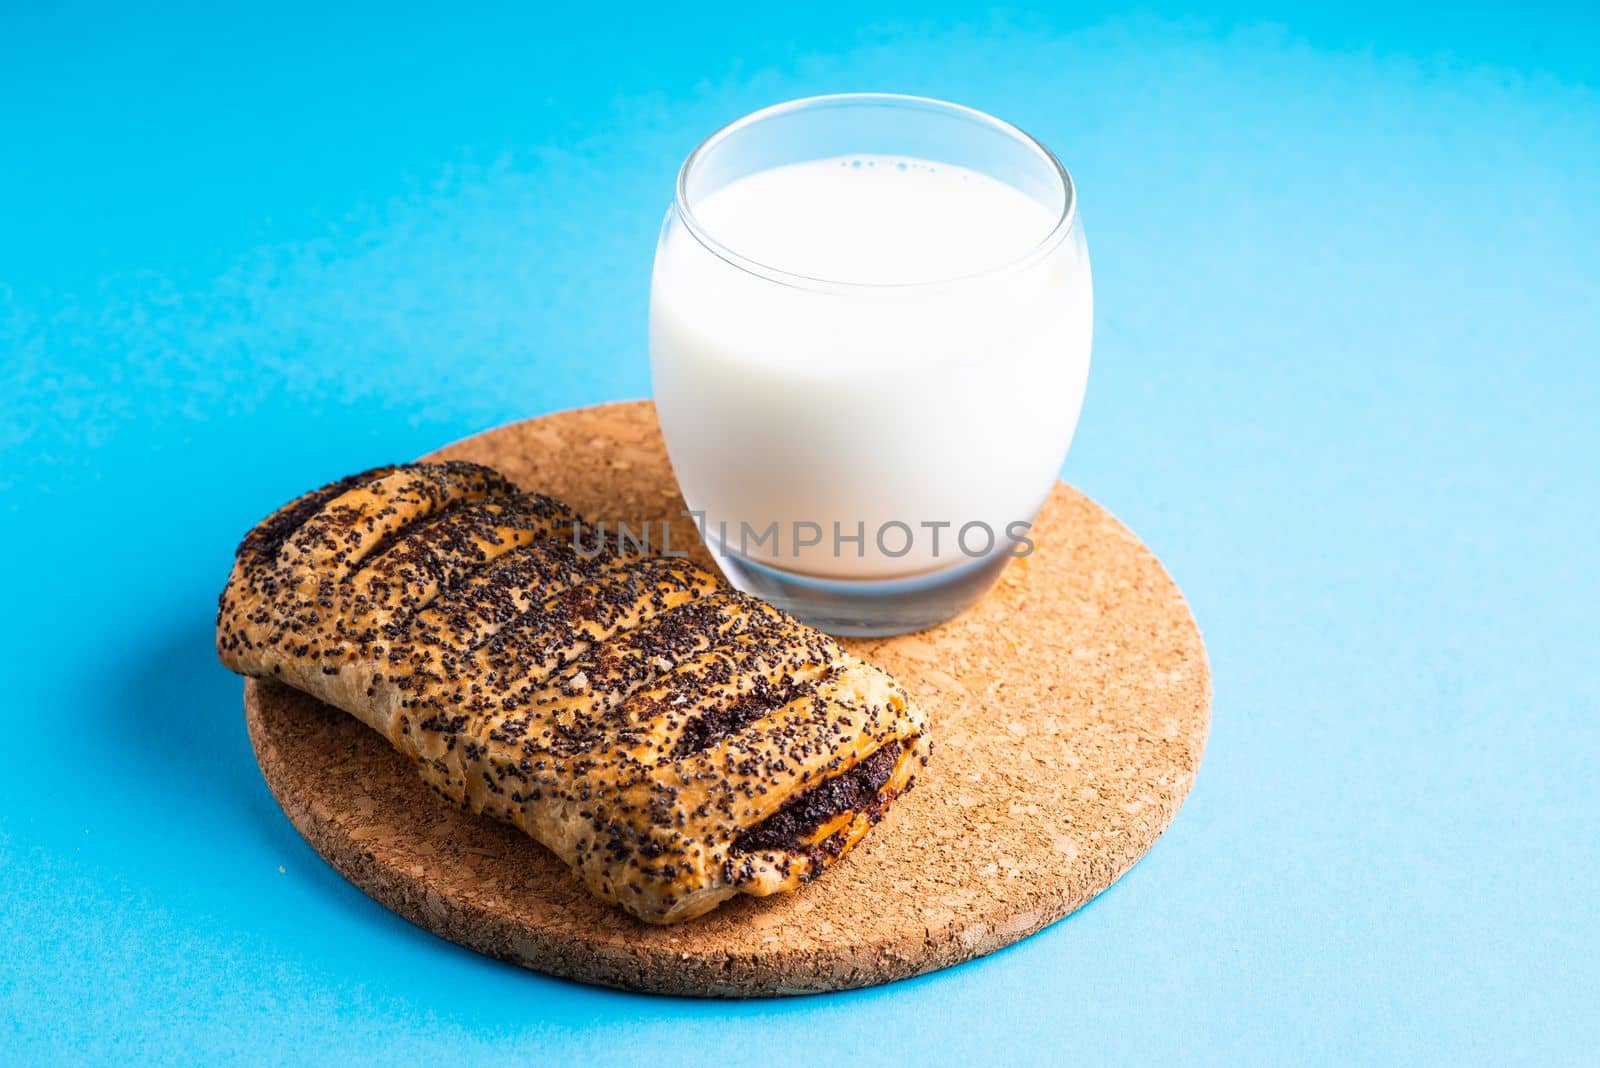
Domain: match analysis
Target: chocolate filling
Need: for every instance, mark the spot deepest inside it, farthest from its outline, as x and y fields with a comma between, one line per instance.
x=706, y=729
x=410, y=530
x=801, y=816
x=268, y=537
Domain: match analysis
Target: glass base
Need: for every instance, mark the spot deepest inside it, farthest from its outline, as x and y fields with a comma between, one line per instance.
x=866, y=608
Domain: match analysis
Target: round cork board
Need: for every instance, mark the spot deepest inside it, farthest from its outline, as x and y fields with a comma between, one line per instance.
x=1069, y=711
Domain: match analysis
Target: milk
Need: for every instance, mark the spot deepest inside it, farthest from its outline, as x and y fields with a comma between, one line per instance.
x=927, y=381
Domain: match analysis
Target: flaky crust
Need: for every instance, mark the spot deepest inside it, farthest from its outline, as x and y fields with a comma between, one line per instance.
x=674, y=741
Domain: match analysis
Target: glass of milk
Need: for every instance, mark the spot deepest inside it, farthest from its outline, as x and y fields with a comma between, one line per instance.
x=870, y=324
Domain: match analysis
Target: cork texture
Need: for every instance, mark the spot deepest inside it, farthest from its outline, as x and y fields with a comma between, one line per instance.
x=1069, y=712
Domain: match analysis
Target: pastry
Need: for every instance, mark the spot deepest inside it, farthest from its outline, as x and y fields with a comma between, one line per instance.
x=674, y=741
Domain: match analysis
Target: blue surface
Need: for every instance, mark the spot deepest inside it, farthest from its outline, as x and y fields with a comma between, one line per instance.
x=1344, y=385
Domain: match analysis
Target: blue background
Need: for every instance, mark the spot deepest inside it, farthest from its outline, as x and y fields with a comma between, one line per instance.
x=1344, y=385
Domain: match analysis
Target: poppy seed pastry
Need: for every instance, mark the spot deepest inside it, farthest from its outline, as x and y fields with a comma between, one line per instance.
x=674, y=741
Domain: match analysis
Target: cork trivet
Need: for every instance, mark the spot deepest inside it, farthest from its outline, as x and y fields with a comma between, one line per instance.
x=1069, y=710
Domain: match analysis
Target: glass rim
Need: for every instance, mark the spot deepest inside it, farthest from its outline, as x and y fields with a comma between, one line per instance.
x=1063, y=224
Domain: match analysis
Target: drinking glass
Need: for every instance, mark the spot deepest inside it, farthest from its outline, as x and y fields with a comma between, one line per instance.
x=865, y=420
